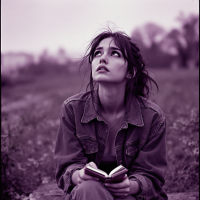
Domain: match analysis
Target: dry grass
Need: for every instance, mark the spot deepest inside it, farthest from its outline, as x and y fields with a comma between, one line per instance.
x=30, y=119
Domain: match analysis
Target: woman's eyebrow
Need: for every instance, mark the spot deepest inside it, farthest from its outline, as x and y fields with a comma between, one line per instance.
x=112, y=48
x=98, y=48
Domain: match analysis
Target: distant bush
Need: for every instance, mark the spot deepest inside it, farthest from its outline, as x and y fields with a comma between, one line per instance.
x=5, y=80
x=45, y=68
x=183, y=154
x=25, y=163
x=31, y=72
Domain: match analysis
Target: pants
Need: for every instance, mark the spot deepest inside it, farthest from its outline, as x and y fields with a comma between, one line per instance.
x=92, y=190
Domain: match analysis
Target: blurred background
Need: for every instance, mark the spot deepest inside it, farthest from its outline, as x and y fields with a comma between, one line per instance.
x=42, y=43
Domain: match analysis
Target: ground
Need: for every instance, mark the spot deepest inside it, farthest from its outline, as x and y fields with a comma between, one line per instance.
x=30, y=111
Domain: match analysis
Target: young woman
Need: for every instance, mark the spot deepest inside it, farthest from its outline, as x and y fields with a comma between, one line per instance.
x=112, y=124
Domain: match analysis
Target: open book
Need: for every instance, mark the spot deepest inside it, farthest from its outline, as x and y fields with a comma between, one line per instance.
x=115, y=176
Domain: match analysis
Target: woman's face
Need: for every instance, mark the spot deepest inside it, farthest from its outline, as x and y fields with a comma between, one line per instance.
x=108, y=63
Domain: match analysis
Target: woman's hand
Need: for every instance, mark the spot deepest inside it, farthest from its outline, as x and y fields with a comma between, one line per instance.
x=80, y=176
x=124, y=188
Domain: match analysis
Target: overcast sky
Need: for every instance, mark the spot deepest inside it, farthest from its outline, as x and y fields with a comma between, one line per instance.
x=34, y=25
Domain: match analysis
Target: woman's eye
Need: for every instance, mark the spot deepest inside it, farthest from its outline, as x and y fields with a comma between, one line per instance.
x=97, y=53
x=115, y=53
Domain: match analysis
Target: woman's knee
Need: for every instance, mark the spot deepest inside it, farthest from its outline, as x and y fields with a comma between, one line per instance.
x=89, y=185
x=89, y=190
x=127, y=198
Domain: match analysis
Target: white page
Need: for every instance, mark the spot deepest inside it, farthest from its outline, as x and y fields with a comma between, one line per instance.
x=114, y=170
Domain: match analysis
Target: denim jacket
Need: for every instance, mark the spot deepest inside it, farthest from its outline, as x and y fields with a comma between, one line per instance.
x=139, y=144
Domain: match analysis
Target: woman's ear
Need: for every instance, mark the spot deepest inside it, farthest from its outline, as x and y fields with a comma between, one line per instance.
x=129, y=76
x=134, y=71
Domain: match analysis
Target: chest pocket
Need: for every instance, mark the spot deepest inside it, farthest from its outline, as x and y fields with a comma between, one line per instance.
x=88, y=144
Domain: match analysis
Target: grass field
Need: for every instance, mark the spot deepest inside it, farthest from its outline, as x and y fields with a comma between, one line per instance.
x=30, y=113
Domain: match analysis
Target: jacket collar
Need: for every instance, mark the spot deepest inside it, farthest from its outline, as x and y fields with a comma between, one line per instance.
x=133, y=113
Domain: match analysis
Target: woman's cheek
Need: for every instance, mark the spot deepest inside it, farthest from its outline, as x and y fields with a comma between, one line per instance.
x=93, y=71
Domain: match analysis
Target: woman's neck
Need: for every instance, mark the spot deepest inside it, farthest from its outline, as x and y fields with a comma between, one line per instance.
x=112, y=99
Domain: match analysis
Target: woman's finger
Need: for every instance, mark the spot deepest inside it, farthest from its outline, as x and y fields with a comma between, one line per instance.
x=125, y=177
x=92, y=164
x=88, y=177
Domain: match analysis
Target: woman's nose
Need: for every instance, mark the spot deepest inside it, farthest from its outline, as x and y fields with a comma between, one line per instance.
x=104, y=59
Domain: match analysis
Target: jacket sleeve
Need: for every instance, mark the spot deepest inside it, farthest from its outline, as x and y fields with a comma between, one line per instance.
x=150, y=165
x=68, y=154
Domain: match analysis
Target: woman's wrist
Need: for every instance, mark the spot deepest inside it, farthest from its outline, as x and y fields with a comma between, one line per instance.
x=75, y=177
x=134, y=187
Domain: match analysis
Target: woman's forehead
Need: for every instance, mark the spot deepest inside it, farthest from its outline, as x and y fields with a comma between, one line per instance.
x=107, y=42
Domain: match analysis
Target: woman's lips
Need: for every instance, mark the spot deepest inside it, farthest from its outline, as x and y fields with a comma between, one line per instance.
x=103, y=68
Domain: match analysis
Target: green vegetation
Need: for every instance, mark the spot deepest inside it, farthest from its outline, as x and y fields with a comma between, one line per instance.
x=30, y=119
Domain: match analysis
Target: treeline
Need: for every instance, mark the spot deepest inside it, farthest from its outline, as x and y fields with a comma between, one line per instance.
x=177, y=48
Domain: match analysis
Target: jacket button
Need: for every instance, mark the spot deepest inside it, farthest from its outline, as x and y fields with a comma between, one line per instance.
x=99, y=155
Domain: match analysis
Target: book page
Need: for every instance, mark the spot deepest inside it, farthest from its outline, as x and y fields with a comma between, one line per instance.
x=115, y=170
x=98, y=171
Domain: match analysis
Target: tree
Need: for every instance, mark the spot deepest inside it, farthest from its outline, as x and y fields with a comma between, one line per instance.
x=186, y=40
x=148, y=37
x=148, y=34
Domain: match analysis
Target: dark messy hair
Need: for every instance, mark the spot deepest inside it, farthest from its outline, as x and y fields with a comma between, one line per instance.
x=140, y=84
